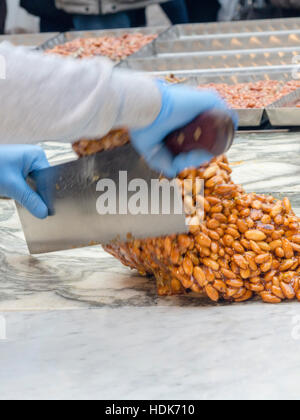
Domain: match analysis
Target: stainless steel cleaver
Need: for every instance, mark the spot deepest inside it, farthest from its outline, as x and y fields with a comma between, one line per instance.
x=72, y=192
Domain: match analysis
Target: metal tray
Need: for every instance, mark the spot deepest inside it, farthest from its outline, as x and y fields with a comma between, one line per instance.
x=191, y=30
x=284, y=113
x=239, y=42
x=207, y=60
x=248, y=117
x=71, y=36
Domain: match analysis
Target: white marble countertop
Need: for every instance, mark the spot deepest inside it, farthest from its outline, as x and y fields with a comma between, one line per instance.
x=80, y=325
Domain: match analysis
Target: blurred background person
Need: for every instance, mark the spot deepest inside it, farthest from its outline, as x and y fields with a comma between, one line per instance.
x=120, y=17
x=175, y=10
x=267, y=9
x=288, y=8
x=88, y=15
x=3, y=12
x=228, y=9
x=256, y=9
x=202, y=10
x=107, y=14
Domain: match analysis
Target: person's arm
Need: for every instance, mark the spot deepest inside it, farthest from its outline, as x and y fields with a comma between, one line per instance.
x=52, y=98
x=47, y=97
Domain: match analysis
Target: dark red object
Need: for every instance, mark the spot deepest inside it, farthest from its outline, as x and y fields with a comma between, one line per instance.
x=212, y=131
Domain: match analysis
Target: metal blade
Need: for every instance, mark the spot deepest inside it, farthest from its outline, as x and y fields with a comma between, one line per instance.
x=70, y=192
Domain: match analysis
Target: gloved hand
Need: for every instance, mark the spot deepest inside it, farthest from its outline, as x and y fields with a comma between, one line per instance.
x=16, y=162
x=180, y=105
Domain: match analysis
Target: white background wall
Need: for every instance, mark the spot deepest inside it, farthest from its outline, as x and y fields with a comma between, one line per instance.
x=19, y=19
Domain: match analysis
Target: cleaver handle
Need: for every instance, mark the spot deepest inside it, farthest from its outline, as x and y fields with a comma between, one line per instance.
x=213, y=131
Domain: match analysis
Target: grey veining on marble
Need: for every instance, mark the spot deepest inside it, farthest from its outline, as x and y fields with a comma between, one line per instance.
x=87, y=278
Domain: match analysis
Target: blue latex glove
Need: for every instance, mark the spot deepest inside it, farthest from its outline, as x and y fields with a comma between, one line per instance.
x=16, y=162
x=180, y=106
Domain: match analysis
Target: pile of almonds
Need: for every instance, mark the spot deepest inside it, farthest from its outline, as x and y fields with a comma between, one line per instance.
x=254, y=94
x=114, y=47
x=248, y=245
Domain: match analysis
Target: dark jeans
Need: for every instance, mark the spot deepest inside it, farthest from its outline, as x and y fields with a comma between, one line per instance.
x=137, y=18
x=94, y=22
x=52, y=19
x=203, y=10
x=175, y=10
x=2, y=15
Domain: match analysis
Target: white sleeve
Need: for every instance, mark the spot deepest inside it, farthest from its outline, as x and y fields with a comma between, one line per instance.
x=47, y=97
